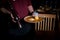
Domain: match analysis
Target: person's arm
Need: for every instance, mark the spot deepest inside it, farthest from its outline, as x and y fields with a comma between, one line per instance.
x=30, y=8
x=7, y=12
x=4, y=8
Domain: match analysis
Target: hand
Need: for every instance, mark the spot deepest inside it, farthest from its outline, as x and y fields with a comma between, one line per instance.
x=13, y=20
x=35, y=14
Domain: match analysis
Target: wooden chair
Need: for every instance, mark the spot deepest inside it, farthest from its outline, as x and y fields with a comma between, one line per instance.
x=47, y=24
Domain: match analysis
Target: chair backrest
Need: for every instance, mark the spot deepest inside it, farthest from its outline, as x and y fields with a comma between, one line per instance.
x=47, y=24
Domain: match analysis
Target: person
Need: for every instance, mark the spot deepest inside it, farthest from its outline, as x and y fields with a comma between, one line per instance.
x=19, y=9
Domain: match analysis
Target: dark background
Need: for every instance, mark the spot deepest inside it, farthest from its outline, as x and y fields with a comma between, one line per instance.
x=5, y=18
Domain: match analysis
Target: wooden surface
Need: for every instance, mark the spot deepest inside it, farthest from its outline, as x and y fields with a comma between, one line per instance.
x=47, y=15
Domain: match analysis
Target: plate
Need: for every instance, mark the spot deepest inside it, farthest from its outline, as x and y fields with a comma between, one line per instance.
x=32, y=19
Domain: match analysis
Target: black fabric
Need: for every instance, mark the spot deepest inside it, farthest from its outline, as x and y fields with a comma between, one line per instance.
x=4, y=18
x=11, y=30
x=27, y=30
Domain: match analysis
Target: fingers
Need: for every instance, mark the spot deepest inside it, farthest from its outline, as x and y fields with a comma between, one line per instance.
x=12, y=16
x=13, y=20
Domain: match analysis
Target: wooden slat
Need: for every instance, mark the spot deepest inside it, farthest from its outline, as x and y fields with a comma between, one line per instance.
x=38, y=26
x=50, y=24
x=43, y=24
x=54, y=24
x=46, y=24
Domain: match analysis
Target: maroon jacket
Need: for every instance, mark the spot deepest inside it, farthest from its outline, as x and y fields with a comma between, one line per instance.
x=20, y=7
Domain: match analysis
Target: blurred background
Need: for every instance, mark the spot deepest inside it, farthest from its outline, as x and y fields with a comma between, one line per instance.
x=49, y=28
